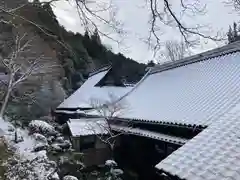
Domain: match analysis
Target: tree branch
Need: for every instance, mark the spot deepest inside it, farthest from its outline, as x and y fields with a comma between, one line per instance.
x=168, y=17
x=108, y=110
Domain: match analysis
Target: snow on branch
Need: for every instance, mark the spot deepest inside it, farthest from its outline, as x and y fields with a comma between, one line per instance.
x=110, y=107
x=20, y=65
x=108, y=110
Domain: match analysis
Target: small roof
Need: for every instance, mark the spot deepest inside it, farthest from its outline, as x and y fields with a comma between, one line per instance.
x=88, y=91
x=196, y=93
x=70, y=112
x=87, y=126
x=150, y=134
x=212, y=154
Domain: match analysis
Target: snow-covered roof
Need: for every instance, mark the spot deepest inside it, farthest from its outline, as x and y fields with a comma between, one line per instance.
x=98, y=70
x=197, y=93
x=150, y=134
x=88, y=91
x=87, y=126
x=212, y=154
x=70, y=112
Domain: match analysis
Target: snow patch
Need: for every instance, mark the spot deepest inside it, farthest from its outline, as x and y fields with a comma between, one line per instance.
x=56, y=147
x=55, y=176
x=68, y=177
x=110, y=163
x=116, y=172
x=40, y=138
x=26, y=164
x=39, y=168
x=40, y=146
x=41, y=126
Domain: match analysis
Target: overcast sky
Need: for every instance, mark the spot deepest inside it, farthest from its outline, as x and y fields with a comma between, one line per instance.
x=134, y=15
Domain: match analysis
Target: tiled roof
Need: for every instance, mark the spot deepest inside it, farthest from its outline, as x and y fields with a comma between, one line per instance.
x=214, y=154
x=150, y=134
x=194, y=94
x=227, y=49
x=87, y=126
x=70, y=112
x=88, y=91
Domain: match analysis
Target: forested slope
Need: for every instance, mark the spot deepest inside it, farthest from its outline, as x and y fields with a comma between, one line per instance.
x=80, y=54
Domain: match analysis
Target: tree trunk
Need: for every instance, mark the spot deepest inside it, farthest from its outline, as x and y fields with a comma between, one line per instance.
x=5, y=103
x=16, y=136
x=111, y=148
x=6, y=99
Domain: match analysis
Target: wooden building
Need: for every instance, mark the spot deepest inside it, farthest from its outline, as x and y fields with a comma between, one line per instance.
x=194, y=101
x=96, y=87
x=84, y=135
x=186, y=114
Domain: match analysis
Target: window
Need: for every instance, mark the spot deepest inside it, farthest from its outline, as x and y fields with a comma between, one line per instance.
x=87, y=142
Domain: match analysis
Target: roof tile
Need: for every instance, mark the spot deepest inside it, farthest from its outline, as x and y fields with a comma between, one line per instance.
x=88, y=91
x=150, y=134
x=215, y=152
x=197, y=93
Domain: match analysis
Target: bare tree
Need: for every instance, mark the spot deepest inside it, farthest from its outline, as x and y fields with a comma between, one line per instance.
x=234, y=3
x=175, y=50
x=162, y=13
x=109, y=110
x=98, y=15
x=19, y=67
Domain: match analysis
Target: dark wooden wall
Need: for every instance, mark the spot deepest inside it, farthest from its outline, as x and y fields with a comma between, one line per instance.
x=140, y=155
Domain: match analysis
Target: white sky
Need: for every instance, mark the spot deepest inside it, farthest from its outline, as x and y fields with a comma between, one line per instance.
x=135, y=17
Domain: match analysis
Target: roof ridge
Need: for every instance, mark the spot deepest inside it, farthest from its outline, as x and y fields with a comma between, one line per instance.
x=101, y=69
x=226, y=49
x=152, y=134
x=135, y=86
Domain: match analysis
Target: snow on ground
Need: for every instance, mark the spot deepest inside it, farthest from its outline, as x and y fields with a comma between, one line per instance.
x=42, y=126
x=110, y=163
x=40, y=165
x=5, y=125
x=24, y=147
x=68, y=177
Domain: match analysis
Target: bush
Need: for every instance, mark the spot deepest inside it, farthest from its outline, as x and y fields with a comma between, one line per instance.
x=5, y=153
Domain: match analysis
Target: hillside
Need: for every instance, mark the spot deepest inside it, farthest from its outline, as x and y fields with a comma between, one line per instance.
x=80, y=54
x=68, y=58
